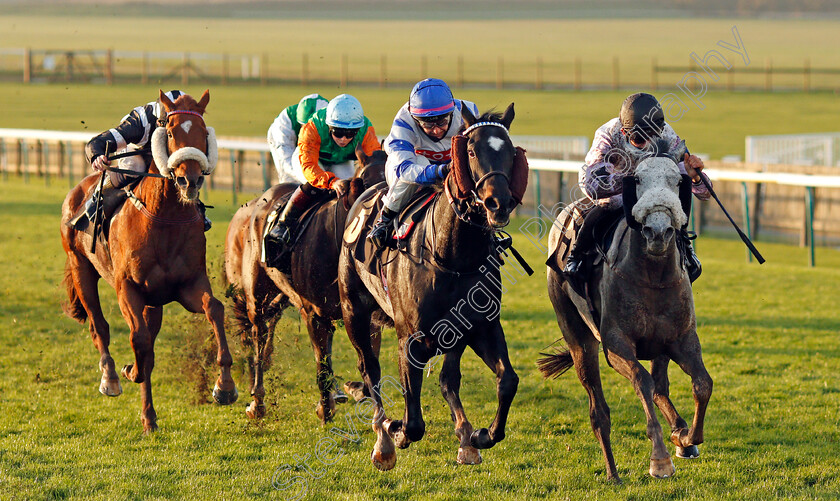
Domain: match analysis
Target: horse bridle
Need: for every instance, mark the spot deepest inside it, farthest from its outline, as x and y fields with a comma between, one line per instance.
x=477, y=202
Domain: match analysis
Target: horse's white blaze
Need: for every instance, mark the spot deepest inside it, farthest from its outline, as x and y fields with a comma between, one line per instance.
x=659, y=190
x=187, y=125
x=496, y=143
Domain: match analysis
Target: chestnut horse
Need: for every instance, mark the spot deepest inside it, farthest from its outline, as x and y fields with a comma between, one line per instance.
x=642, y=309
x=261, y=293
x=443, y=291
x=155, y=254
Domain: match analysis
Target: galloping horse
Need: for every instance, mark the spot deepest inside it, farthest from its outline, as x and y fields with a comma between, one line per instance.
x=642, y=308
x=262, y=293
x=443, y=291
x=155, y=254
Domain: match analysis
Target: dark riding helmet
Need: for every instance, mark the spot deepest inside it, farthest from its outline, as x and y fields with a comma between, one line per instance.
x=642, y=112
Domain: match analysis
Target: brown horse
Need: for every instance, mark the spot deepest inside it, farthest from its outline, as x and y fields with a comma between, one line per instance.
x=642, y=309
x=261, y=293
x=155, y=254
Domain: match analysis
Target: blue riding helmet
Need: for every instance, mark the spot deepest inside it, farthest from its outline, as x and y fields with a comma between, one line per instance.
x=430, y=98
x=345, y=112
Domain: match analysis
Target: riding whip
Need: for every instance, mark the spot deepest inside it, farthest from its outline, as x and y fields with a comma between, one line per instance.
x=98, y=207
x=746, y=239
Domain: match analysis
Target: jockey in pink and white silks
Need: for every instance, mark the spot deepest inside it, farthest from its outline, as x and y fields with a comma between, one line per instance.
x=419, y=148
x=619, y=145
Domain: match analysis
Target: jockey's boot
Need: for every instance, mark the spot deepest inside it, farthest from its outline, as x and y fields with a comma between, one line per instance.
x=86, y=217
x=202, y=209
x=381, y=231
x=574, y=270
x=692, y=262
x=297, y=204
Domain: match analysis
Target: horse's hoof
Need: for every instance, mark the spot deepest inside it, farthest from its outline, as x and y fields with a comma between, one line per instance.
x=383, y=462
x=225, y=397
x=255, y=410
x=355, y=389
x=480, y=439
x=662, y=468
x=149, y=426
x=690, y=452
x=110, y=387
x=469, y=455
x=340, y=397
x=325, y=414
x=126, y=372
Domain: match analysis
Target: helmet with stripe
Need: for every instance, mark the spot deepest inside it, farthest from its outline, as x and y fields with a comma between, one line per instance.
x=308, y=106
x=172, y=95
x=345, y=111
x=430, y=98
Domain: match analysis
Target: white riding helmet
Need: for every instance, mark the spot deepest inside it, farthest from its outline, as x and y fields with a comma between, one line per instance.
x=345, y=112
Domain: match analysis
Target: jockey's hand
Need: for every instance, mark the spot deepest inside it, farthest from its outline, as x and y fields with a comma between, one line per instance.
x=693, y=167
x=341, y=187
x=100, y=163
x=443, y=170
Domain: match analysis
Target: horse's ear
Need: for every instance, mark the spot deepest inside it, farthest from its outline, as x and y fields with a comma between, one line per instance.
x=361, y=155
x=164, y=100
x=507, y=118
x=205, y=98
x=467, y=115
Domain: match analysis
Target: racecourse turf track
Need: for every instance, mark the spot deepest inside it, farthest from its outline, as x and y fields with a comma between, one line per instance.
x=770, y=342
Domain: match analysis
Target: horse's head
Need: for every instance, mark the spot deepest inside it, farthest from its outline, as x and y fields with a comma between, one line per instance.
x=183, y=147
x=370, y=168
x=653, y=203
x=486, y=167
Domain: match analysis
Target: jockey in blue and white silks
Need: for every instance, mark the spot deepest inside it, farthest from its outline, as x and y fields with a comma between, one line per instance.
x=419, y=147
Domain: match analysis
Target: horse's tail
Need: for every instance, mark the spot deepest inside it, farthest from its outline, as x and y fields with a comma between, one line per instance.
x=73, y=306
x=553, y=365
x=240, y=309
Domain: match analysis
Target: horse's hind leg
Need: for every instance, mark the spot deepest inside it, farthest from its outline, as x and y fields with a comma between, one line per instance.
x=690, y=359
x=321, y=336
x=450, y=386
x=662, y=398
x=142, y=337
x=622, y=358
x=492, y=349
x=85, y=279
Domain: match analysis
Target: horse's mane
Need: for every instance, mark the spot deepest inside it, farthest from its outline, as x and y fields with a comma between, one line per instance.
x=187, y=102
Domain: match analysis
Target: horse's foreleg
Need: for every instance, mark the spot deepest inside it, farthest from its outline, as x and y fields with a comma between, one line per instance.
x=85, y=279
x=142, y=342
x=200, y=298
x=661, y=396
x=622, y=358
x=450, y=387
x=492, y=349
x=690, y=359
x=413, y=358
x=321, y=336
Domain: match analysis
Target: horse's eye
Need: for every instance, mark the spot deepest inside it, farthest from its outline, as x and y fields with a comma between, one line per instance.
x=471, y=153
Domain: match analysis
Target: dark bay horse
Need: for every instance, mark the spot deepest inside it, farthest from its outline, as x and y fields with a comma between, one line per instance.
x=261, y=293
x=155, y=254
x=643, y=309
x=443, y=291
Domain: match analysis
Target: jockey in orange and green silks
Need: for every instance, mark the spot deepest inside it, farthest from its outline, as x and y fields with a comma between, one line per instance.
x=325, y=153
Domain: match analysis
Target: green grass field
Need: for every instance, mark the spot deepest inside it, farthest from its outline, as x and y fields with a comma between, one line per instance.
x=769, y=335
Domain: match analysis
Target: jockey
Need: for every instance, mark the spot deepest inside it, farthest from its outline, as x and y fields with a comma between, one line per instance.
x=325, y=154
x=283, y=136
x=132, y=134
x=619, y=145
x=418, y=148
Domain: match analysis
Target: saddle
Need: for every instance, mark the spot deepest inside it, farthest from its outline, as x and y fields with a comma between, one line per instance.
x=368, y=206
x=278, y=255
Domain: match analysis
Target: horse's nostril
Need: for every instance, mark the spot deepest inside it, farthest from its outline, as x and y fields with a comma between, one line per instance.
x=647, y=232
x=669, y=233
x=492, y=204
x=182, y=181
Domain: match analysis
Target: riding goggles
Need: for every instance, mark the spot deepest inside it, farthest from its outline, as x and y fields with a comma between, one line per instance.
x=641, y=136
x=343, y=133
x=428, y=123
